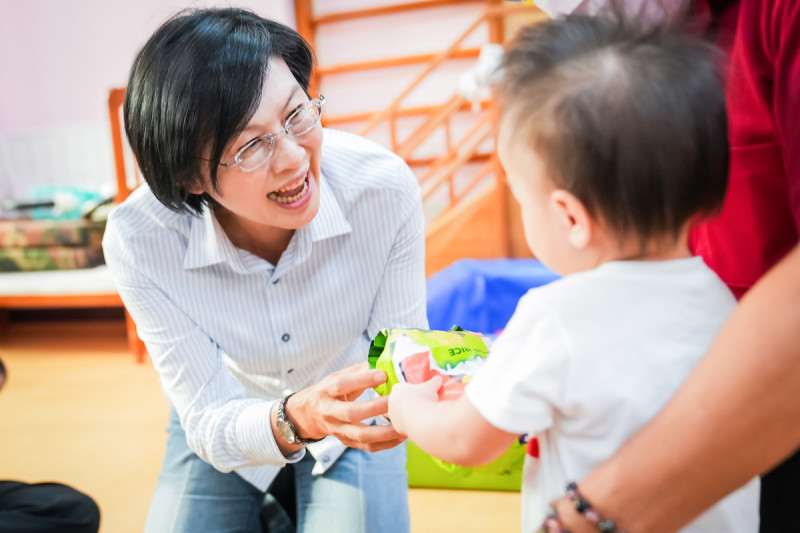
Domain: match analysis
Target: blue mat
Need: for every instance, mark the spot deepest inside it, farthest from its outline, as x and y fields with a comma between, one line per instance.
x=481, y=295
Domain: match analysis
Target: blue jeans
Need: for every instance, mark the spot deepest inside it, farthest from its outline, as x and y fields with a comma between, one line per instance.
x=362, y=492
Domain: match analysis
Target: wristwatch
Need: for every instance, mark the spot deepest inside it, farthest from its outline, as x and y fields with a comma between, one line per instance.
x=285, y=427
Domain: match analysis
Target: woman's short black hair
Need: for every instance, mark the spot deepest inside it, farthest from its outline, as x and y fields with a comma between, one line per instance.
x=629, y=119
x=195, y=84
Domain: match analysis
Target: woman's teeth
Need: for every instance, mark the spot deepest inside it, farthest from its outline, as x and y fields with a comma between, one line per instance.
x=294, y=185
x=280, y=195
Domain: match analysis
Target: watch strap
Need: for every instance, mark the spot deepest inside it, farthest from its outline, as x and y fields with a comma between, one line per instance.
x=284, y=419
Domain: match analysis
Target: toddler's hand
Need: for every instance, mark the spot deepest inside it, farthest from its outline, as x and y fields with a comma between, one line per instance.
x=406, y=399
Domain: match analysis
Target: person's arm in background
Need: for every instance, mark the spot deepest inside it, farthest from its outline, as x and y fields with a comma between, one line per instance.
x=737, y=416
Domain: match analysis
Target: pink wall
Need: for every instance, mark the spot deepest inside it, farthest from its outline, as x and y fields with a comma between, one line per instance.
x=59, y=58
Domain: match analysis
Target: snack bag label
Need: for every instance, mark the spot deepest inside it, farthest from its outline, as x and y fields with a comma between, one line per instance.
x=454, y=354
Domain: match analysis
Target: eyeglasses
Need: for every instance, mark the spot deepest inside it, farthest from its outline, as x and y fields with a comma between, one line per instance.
x=256, y=152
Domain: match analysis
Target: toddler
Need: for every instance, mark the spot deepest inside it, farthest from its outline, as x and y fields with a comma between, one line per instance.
x=613, y=140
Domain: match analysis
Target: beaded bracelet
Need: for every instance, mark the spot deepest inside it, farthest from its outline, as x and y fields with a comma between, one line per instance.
x=551, y=524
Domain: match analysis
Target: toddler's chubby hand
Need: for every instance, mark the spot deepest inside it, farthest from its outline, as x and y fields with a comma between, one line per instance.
x=406, y=399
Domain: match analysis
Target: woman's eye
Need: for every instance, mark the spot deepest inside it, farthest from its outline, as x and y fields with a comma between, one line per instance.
x=292, y=116
x=251, y=149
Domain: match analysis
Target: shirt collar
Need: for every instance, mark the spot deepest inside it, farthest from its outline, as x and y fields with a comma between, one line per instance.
x=209, y=245
x=330, y=221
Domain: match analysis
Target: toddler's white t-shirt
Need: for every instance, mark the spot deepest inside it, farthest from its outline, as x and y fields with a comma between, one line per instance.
x=587, y=360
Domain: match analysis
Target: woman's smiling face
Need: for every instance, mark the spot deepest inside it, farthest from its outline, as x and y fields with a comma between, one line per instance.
x=283, y=193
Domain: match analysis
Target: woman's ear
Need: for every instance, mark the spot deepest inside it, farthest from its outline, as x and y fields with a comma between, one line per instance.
x=574, y=218
x=193, y=186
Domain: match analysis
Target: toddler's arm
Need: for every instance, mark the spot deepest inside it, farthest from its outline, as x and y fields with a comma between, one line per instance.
x=453, y=431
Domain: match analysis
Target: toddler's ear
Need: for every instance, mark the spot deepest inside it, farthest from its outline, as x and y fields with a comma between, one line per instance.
x=574, y=217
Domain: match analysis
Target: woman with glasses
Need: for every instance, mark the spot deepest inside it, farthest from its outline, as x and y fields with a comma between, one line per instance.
x=259, y=261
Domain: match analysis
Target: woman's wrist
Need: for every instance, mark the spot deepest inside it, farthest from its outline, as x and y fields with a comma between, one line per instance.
x=574, y=513
x=297, y=409
x=286, y=448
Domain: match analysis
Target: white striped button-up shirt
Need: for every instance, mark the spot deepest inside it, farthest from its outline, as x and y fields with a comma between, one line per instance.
x=230, y=333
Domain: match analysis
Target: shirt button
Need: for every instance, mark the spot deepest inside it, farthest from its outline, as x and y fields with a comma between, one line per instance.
x=326, y=459
x=286, y=337
x=275, y=282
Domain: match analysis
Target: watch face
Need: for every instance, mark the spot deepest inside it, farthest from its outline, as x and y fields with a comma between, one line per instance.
x=286, y=431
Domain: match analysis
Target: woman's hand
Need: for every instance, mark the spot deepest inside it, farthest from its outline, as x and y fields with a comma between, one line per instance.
x=569, y=519
x=329, y=408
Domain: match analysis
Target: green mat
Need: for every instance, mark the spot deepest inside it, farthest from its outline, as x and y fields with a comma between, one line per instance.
x=424, y=472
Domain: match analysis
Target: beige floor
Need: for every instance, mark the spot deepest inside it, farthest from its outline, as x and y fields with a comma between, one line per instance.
x=77, y=409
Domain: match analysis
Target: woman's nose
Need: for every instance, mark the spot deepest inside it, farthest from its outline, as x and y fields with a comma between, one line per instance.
x=288, y=153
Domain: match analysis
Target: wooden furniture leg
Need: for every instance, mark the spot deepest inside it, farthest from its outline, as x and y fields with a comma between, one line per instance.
x=135, y=344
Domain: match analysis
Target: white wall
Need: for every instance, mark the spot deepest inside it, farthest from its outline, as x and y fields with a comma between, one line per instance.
x=58, y=59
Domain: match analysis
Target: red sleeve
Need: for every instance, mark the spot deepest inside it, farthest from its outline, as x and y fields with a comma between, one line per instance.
x=759, y=220
x=785, y=51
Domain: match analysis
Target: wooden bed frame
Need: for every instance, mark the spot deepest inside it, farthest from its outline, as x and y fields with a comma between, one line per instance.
x=37, y=300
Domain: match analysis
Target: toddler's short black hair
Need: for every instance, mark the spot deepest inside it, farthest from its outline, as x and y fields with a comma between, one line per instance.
x=630, y=120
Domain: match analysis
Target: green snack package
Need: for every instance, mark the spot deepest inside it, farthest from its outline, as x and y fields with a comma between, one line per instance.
x=416, y=355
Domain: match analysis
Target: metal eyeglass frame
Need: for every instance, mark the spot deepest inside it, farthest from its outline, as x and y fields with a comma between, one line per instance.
x=272, y=138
